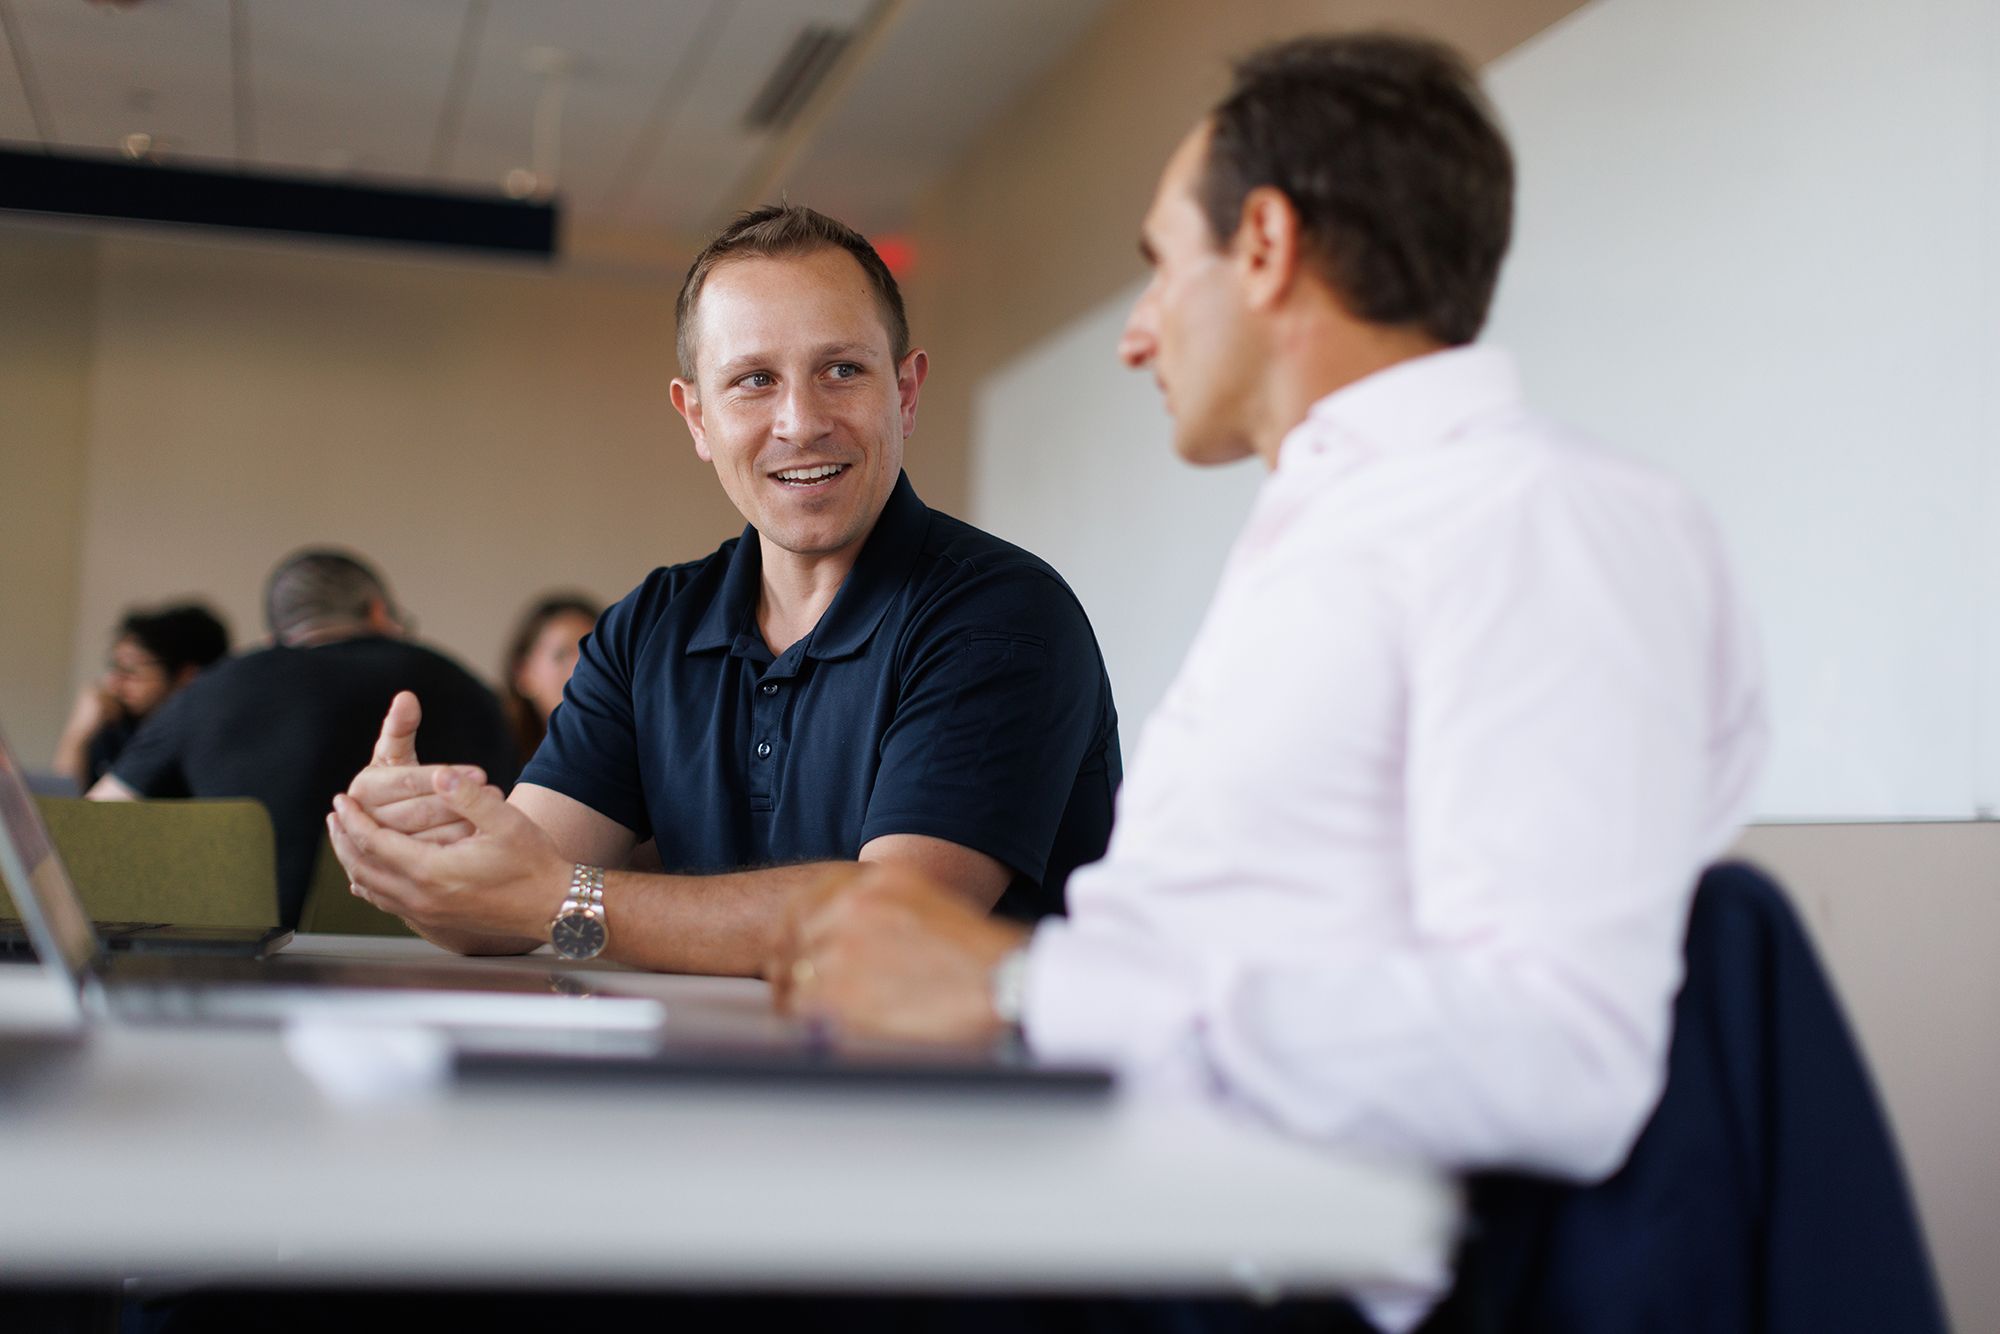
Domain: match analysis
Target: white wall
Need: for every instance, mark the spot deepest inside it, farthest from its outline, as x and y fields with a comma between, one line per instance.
x=1072, y=459
x=194, y=406
x=1756, y=245
x=45, y=340
x=1782, y=289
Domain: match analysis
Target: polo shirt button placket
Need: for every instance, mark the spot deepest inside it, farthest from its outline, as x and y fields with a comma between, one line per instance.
x=767, y=707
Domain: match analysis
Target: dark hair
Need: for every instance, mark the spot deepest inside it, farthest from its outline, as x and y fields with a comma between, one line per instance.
x=321, y=584
x=181, y=636
x=773, y=232
x=528, y=724
x=1402, y=180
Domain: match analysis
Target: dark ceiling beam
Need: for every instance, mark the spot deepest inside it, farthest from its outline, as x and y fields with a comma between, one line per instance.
x=139, y=192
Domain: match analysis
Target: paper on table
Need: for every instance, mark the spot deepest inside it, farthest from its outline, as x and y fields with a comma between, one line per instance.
x=362, y=1064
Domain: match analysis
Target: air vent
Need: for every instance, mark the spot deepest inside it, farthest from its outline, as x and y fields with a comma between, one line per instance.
x=798, y=76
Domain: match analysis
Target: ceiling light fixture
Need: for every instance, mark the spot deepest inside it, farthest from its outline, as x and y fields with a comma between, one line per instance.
x=537, y=180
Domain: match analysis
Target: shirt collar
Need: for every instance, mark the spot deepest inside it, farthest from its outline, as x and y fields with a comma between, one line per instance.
x=879, y=573
x=1413, y=403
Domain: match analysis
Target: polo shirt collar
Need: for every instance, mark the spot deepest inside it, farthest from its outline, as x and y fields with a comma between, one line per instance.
x=735, y=601
x=1414, y=403
x=879, y=573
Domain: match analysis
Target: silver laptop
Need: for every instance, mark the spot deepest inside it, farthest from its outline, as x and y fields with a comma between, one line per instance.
x=274, y=990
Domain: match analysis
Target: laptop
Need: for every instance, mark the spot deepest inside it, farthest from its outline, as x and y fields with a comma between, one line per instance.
x=148, y=986
x=246, y=942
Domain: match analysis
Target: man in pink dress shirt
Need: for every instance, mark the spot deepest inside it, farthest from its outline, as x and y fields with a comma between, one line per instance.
x=1403, y=859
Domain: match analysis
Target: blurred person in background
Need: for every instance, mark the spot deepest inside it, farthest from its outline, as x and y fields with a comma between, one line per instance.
x=155, y=653
x=289, y=724
x=540, y=658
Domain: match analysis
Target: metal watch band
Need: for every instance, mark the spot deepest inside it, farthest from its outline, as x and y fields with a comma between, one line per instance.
x=586, y=888
x=585, y=900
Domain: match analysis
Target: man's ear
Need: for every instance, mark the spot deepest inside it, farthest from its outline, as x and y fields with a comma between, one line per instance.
x=187, y=673
x=1267, y=245
x=687, y=402
x=909, y=384
x=381, y=619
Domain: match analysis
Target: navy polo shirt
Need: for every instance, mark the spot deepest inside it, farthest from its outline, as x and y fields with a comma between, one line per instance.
x=953, y=688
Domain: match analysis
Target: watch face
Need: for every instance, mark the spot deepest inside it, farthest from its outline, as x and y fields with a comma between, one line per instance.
x=577, y=935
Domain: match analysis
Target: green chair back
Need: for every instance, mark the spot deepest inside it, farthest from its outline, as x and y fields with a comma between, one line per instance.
x=188, y=863
x=331, y=908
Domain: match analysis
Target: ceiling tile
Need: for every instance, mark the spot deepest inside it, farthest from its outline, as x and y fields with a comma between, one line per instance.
x=354, y=87
x=944, y=72
x=106, y=71
x=17, y=122
x=705, y=155
x=652, y=125
x=622, y=49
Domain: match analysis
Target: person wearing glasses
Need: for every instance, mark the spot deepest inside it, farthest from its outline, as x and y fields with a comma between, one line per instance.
x=155, y=654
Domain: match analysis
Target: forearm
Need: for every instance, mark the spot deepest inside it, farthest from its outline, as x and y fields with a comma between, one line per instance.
x=720, y=924
x=70, y=759
x=460, y=941
x=1468, y=1057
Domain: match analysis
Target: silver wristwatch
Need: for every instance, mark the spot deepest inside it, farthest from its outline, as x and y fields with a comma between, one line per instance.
x=579, y=931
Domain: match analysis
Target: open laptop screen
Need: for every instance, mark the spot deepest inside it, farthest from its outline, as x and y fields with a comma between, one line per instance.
x=39, y=885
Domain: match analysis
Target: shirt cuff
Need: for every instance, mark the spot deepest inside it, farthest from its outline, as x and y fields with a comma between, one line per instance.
x=1110, y=1000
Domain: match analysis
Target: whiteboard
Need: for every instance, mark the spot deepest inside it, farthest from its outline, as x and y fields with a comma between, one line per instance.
x=1754, y=246
x=1072, y=458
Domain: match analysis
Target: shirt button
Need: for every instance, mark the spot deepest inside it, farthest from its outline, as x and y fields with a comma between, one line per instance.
x=763, y=750
x=769, y=687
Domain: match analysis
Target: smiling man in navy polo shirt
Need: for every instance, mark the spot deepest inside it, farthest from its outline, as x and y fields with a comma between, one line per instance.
x=856, y=677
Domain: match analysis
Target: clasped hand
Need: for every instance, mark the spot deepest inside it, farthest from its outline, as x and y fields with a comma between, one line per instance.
x=439, y=846
x=880, y=950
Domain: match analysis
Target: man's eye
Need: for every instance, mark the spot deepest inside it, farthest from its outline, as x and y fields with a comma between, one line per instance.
x=844, y=370
x=757, y=380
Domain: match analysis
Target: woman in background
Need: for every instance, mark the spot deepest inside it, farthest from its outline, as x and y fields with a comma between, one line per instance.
x=539, y=661
x=155, y=654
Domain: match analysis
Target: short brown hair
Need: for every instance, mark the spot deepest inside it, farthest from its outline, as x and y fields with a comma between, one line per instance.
x=1385, y=145
x=775, y=231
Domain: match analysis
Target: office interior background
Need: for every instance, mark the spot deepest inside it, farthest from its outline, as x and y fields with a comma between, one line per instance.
x=1754, y=245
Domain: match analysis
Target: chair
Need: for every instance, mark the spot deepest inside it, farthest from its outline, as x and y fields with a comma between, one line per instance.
x=188, y=863
x=1763, y=1195
x=332, y=909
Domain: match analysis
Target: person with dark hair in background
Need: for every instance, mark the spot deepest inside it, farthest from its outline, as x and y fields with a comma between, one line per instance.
x=154, y=654
x=540, y=658
x=1405, y=856
x=289, y=724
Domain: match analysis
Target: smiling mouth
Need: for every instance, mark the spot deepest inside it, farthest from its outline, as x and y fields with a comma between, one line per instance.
x=810, y=478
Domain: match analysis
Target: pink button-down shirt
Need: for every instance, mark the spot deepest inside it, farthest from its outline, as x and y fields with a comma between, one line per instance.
x=1403, y=858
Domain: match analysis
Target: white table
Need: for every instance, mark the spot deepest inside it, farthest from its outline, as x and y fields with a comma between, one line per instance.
x=178, y=1154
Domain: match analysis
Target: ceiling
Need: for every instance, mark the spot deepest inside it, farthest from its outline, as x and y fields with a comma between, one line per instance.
x=646, y=131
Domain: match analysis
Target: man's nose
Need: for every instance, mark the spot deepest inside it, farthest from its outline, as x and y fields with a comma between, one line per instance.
x=1136, y=345
x=800, y=416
